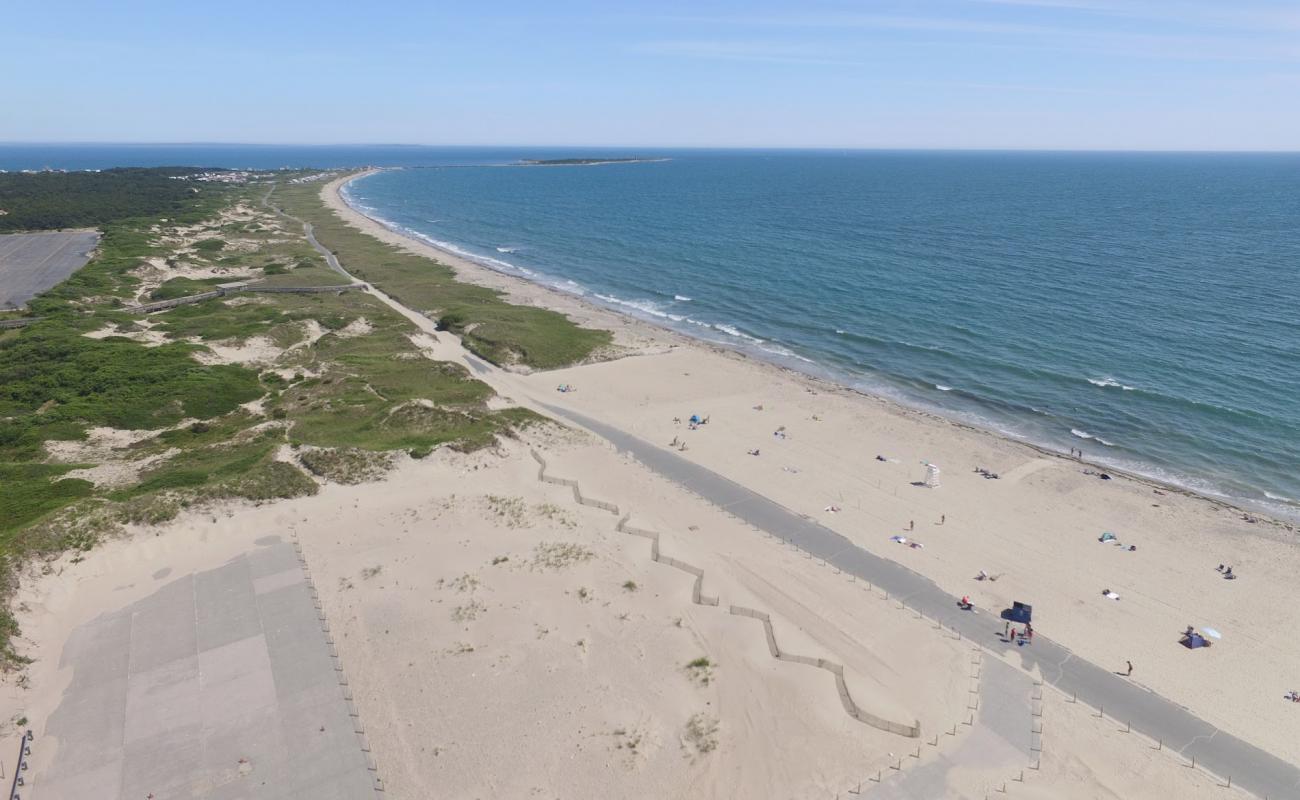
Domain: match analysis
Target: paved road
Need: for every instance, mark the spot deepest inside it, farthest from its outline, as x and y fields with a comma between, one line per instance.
x=31, y=263
x=998, y=743
x=1249, y=767
x=169, y=693
x=307, y=229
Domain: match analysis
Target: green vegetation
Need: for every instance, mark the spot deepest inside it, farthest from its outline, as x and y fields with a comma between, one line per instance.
x=29, y=491
x=54, y=383
x=50, y=200
x=183, y=287
x=700, y=670
x=489, y=326
x=209, y=245
x=344, y=398
x=701, y=733
x=347, y=465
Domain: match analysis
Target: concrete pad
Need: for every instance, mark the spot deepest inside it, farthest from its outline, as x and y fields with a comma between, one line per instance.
x=237, y=681
x=162, y=699
x=169, y=694
x=225, y=605
x=278, y=580
x=272, y=559
x=91, y=722
x=254, y=737
x=107, y=645
x=164, y=764
x=162, y=627
x=87, y=783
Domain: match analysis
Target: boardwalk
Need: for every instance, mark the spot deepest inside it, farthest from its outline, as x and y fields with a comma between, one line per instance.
x=31, y=263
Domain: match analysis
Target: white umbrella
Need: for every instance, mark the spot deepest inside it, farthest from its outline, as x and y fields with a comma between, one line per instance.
x=1212, y=633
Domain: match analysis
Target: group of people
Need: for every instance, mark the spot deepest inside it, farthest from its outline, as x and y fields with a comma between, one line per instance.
x=1226, y=572
x=986, y=474
x=565, y=388
x=1021, y=638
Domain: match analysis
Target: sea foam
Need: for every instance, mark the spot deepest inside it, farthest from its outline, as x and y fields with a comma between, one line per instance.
x=1109, y=382
x=1086, y=435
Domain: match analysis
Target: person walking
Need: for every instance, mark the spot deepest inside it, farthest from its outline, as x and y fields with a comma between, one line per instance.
x=1130, y=669
x=911, y=525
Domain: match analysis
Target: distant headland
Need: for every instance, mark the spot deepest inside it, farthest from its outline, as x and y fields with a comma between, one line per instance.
x=582, y=162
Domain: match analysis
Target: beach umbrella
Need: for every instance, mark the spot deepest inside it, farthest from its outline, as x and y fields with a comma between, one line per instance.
x=1212, y=633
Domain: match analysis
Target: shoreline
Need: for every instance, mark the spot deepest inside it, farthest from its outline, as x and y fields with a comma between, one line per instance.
x=454, y=584
x=1037, y=529
x=466, y=266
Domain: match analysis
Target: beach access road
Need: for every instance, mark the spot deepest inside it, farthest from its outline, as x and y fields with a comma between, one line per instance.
x=1172, y=725
x=31, y=263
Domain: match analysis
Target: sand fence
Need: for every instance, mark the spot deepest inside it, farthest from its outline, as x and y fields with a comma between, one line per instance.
x=357, y=728
x=851, y=707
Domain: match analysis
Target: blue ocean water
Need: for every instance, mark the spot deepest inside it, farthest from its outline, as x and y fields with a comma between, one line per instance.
x=1142, y=307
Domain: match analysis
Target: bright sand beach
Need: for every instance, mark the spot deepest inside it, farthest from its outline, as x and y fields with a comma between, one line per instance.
x=501, y=639
x=1037, y=526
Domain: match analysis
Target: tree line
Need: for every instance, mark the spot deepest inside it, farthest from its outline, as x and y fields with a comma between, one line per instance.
x=51, y=200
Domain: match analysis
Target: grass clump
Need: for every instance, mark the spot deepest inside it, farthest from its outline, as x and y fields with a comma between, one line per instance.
x=273, y=480
x=347, y=465
x=558, y=555
x=209, y=245
x=510, y=510
x=183, y=287
x=700, y=670
x=30, y=491
x=468, y=612
x=701, y=733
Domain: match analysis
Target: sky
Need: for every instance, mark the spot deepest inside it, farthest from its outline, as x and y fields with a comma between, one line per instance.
x=1014, y=74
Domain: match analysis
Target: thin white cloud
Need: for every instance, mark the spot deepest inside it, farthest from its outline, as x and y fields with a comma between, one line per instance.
x=722, y=50
x=1173, y=37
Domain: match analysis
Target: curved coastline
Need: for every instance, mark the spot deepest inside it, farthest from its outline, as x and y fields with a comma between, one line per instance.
x=508, y=278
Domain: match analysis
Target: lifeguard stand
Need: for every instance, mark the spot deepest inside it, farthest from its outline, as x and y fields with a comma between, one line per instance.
x=931, y=476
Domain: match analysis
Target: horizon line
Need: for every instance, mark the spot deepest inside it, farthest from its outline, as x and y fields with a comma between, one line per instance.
x=768, y=148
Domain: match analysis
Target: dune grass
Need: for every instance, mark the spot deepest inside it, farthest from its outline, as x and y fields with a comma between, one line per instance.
x=489, y=326
x=369, y=389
